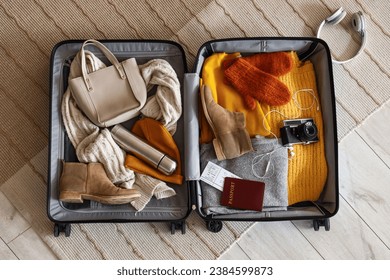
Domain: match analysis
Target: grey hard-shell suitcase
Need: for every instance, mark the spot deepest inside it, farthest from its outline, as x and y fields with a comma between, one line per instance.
x=176, y=209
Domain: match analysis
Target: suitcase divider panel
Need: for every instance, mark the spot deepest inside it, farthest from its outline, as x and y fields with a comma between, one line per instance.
x=191, y=129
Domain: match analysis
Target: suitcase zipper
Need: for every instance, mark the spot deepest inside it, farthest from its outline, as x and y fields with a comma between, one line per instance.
x=129, y=54
x=149, y=209
x=147, y=54
x=166, y=210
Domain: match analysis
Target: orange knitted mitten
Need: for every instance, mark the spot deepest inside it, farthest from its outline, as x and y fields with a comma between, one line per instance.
x=276, y=63
x=251, y=83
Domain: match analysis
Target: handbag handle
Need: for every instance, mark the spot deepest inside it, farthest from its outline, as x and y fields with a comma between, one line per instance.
x=109, y=56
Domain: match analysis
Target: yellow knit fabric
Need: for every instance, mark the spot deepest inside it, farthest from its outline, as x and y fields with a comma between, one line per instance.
x=307, y=170
x=226, y=96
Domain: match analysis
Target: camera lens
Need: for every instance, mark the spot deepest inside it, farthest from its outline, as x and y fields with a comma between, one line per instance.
x=307, y=131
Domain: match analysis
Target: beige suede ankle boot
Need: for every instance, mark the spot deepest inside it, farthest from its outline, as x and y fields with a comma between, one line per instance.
x=231, y=137
x=81, y=181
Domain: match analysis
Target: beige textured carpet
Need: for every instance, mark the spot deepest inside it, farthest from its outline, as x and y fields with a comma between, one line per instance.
x=29, y=30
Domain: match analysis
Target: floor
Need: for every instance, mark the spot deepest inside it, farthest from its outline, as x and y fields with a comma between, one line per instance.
x=360, y=230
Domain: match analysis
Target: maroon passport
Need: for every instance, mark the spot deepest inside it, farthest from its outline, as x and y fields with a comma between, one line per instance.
x=243, y=194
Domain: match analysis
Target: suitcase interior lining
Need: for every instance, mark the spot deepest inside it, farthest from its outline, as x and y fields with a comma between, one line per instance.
x=173, y=208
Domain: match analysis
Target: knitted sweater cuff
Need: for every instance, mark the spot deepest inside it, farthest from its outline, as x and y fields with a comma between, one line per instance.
x=149, y=186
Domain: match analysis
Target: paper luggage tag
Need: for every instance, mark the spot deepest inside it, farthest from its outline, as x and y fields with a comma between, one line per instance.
x=214, y=175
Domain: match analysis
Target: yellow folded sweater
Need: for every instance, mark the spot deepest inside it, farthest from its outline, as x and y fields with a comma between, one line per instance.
x=307, y=170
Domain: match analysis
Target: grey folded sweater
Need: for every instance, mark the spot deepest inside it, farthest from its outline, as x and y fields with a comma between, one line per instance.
x=275, y=179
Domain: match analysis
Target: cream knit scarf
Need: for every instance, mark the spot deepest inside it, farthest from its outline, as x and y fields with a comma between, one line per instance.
x=93, y=144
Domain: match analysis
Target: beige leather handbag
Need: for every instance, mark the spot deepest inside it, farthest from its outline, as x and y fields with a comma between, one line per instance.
x=110, y=95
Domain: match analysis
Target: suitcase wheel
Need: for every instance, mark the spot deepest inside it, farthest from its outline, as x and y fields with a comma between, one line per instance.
x=321, y=222
x=214, y=226
x=58, y=228
x=178, y=225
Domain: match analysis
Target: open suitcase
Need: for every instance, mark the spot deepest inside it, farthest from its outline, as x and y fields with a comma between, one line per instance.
x=189, y=195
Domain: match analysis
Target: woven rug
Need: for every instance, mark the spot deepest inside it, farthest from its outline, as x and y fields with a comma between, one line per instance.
x=29, y=31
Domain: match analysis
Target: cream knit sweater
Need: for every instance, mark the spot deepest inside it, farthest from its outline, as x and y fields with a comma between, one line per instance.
x=94, y=144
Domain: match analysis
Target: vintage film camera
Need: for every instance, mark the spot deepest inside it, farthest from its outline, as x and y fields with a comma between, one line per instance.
x=298, y=131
